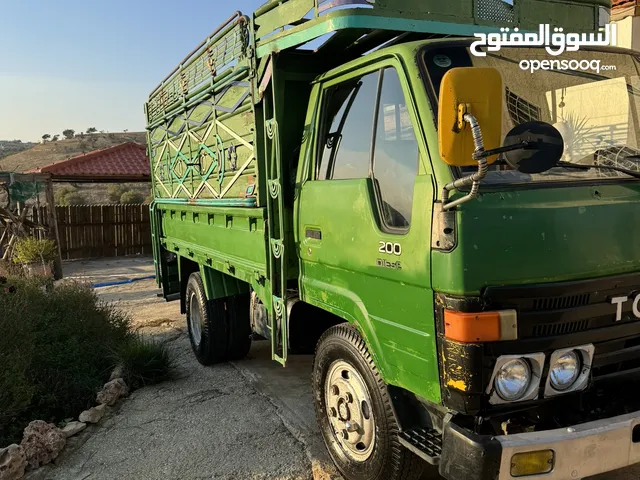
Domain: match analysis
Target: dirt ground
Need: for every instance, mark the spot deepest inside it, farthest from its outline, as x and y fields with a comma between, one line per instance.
x=251, y=419
x=232, y=421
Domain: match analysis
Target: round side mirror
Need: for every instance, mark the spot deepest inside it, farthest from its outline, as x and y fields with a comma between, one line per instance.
x=542, y=147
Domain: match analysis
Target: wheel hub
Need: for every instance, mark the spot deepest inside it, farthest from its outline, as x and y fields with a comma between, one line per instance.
x=349, y=408
x=195, y=319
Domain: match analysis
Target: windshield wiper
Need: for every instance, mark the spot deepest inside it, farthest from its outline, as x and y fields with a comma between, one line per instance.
x=578, y=166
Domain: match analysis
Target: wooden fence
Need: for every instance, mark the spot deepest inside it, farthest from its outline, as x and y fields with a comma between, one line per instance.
x=94, y=231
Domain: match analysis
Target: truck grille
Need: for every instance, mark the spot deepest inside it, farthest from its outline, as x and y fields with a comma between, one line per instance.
x=554, y=303
x=551, y=329
x=547, y=310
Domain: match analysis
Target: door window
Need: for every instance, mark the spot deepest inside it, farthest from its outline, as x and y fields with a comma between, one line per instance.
x=347, y=143
x=349, y=152
x=395, y=162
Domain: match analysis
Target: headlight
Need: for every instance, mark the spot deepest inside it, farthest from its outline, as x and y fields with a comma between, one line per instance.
x=513, y=379
x=516, y=378
x=565, y=371
x=569, y=370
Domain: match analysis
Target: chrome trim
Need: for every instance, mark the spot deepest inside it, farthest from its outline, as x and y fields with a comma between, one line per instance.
x=580, y=451
x=586, y=352
x=536, y=361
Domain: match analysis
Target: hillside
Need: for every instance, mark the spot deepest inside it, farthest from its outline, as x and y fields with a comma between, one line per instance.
x=9, y=147
x=50, y=152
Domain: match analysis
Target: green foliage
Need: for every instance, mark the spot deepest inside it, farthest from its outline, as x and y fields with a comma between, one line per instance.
x=91, y=130
x=144, y=362
x=55, y=138
x=46, y=137
x=58, y=347
x=69, y=196
x=32, y=250
x=115, y=191
x=131, y=197
x=68, y=133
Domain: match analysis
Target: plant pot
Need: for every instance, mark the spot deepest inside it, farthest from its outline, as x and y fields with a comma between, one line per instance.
x=39, y=269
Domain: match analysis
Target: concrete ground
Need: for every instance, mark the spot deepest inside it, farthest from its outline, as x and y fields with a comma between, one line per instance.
x=248, y=420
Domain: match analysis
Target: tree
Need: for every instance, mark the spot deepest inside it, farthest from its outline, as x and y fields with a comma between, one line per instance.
x=55, y=138
x=46, y=137
x=68, y=133
x=91, y=130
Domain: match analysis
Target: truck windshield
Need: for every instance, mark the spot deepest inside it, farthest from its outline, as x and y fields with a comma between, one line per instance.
x=596, y=110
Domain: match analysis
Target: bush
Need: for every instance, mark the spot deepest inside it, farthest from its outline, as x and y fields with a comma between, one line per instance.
x=32, y=250
x=58, y=347
x=144, y=362
x=69, y=196
x=131, y=197
x=115, y=192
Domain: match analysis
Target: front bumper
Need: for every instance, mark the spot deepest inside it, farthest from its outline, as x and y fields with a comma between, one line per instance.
x=580, y=451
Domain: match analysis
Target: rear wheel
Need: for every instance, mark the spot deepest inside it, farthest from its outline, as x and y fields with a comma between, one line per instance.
x=206, y=322
x=354, y=411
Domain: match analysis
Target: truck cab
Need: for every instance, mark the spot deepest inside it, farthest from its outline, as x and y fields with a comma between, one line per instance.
x=454, y=237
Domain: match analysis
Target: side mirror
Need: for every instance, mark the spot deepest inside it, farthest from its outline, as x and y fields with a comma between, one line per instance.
x=541, y=149
x=469, y=90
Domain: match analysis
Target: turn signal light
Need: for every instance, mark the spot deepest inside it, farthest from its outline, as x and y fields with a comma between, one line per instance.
x=480, y=327
x=532, y=463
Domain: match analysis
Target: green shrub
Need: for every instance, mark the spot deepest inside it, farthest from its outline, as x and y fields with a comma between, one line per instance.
x=131, y=197
x=32, y=250
x=144, y=362
x=58, y=347
x=69, y=196
x=115, y=191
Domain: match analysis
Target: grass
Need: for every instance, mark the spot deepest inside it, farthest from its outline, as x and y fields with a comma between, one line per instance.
x=58, y=347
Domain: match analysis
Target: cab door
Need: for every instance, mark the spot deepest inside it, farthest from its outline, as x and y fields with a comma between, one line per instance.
x=363, y=221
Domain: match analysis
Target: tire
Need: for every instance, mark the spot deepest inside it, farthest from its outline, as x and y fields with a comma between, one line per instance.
x=343, y=364
x=209, y=341
x=238, y=314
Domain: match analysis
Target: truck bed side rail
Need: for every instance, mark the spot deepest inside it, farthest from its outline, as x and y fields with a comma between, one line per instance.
x=219, y=52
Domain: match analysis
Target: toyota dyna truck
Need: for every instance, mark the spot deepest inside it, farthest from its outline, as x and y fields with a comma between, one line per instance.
x=455, y=236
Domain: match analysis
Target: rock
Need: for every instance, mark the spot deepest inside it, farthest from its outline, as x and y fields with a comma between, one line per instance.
x=73, y=428
x=93, y=415
x=117, y=372
x=42, y=442
x=112, y=392
x=13, y=461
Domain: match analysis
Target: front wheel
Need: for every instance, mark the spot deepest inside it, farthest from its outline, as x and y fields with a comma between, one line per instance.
x=354, y=411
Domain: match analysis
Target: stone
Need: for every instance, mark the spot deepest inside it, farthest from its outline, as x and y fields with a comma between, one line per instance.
x=112, y=392
x=93, y=415
x=117, y=372
x=42, y=443
x=13, y=462
x=73, y=428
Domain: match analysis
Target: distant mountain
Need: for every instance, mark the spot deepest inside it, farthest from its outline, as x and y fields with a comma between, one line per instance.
x=9, y=147
x=39, y=155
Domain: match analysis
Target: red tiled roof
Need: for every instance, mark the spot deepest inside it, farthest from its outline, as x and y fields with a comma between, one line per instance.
x=624, y=3
x=125, y=162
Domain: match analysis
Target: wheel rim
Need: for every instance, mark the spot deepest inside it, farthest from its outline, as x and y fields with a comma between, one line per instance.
x=195, y=319
x=350, y=411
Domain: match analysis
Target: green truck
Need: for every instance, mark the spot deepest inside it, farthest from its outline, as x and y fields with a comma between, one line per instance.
x=453, y=234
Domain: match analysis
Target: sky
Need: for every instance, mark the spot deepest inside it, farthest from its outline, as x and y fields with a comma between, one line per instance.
x=80, y=64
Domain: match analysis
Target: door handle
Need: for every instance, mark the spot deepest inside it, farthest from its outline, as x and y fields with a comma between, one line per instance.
x=313, y=233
